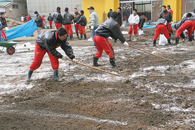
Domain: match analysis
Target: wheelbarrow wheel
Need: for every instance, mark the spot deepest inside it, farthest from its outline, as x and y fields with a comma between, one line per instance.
x=10, y=50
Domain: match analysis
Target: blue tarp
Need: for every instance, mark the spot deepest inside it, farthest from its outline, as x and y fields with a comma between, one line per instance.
x=24, y=30
x=154, y=26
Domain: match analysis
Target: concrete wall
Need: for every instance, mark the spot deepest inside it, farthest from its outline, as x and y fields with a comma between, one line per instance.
x=44, y=7
x=16, y=13
x=100, y=7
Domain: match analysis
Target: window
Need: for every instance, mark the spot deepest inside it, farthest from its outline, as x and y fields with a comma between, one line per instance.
x=14, y=6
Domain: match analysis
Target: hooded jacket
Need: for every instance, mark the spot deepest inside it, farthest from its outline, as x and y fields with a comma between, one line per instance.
x=57, y=17
x=110, y=28
x=67, y=18
x=133, y=20
x=161, y=21
x=50, y=41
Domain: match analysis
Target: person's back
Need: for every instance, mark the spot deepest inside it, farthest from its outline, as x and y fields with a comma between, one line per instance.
x=57, y=17
x=68, y=18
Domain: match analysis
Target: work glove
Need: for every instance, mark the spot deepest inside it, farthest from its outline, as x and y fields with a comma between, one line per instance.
x=75, y=23
x=6, y=28
x=125, y=44
x=64, y=58
x=74, y=60
x=92, y=27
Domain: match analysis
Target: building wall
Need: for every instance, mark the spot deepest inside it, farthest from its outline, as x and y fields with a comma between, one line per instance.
x=44, y=7
x=16, y=13
x=100, y=7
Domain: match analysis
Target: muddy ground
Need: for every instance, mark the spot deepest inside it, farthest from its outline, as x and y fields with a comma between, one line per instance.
x=151, y=93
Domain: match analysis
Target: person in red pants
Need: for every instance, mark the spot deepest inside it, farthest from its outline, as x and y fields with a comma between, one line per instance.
x=108, y=28
x=134, y=21
x=50, y=19
x=68, y=22
x=43, y=20
x=168, y=17
x=161, y=28
x=47, y=42
x=4, y=26
x=186, y=23
x=28, y=18
x=83, y=22
x=57, y=17
x=76, y=18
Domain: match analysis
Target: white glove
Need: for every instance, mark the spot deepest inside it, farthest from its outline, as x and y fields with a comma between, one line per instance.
x=74, y=60
x=75, y=23
x=64, y=58
x=92, y=27
x=125, y=44
x=6, y=28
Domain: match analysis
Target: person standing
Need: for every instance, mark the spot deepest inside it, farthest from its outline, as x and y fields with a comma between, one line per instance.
x=47, y=42
x=28, y=18
x=58, y=18
x=22, y=18
x=168, y=17
x=109, y=13
x=76, y=18
x=119, y=19
x=170, y=10
x=50, y=19
x=134, y=21
x=83, y=22
x=43, y=20
x=4, y=26
x=161, y=28
x=67, y=22
x=38, y=21
x=94, y=21
x=108, y=29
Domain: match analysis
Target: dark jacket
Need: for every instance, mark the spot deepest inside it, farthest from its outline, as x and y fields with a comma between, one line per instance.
x=67, y=18
x=119, y=20
x=110, y=28
x=141, y=21
x=38, y=21
x=50, y=18
x=109, y=14
x=161, y=21
x=57, y=17
x=183, y=21
x=166, y=15
x=3, y=22
x=76, y=17
x=82, y=21
x=50, y=41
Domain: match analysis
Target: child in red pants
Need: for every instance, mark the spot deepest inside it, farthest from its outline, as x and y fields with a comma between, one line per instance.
x=161, y=28
x=83, y=22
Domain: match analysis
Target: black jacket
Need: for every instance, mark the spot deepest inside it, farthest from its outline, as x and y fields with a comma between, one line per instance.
x=38, y=21
x=109, y=14
x=82, y=21
x=67, y=18
x=110, y=28
x=50, y=18
x=76, y=17
x=166, y=15
x=141, y=21
x=49, y=40
x=119, y=20
x=3, y=22
x=57, y=17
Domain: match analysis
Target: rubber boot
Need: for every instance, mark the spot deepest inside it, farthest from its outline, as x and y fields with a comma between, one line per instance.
x=130, y=38
x=55, y=76
x=95, y=60
x=154, y=43
x=51, y=27
x=77, y=35
x=169, y=41
x=176, y=41
x=85, y=37
x=71, y=37
x=170, y=35
x=190, y=39
x=29, y=75
x=81, y=37
x=112, y=62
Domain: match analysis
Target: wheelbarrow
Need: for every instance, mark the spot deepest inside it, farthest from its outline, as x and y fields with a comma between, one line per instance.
x=9, y=45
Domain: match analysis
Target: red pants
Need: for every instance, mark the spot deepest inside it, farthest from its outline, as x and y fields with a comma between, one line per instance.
x=131, y=29
x=138, y=25
x=58, y=25
x=3, y=34
x=68, y=29
x=77, y=28
x=119, y=26
x=103, y=44
x=186, y=25
x=161, y=28
x=169, y=27
x=82, y=30
x=39, y=54
x=50, y=23
x=193, y=28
